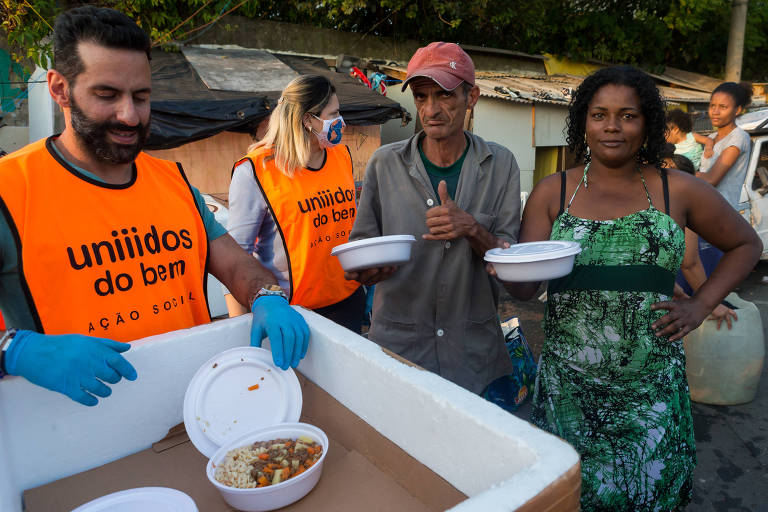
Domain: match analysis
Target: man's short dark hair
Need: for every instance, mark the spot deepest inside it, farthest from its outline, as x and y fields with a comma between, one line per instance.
x=100, y=25
x=680, y=119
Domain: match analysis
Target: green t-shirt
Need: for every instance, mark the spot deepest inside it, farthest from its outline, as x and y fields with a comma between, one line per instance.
x=448, y=174
x=13, y=305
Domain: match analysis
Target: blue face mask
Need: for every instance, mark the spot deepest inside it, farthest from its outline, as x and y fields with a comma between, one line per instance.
x=330, y=135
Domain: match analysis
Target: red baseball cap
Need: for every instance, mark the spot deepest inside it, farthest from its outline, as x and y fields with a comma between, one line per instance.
x=445, y=63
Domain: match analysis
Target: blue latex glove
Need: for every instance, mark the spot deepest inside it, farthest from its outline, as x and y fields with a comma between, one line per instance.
x=287, y=330
x=71, y=364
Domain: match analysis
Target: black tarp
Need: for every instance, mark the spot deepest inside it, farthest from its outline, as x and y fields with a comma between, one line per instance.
x=185, y=110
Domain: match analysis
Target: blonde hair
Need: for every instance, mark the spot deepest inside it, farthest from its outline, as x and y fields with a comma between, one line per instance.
x=286, y=135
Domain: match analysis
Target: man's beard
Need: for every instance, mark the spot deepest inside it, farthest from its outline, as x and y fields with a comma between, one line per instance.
x=94, y=138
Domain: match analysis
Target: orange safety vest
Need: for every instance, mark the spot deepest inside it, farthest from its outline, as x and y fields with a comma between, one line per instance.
x=114, y=261
x=314, y=212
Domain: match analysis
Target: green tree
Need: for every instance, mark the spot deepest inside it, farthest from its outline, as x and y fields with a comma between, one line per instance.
x=28, y=23
x=690, y=34
x=699, y=41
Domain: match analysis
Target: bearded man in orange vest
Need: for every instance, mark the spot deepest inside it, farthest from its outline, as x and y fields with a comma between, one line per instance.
x=131, y=260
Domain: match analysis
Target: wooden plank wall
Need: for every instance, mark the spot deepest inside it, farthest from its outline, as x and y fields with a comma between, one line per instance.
x=208, y=162
x=362, y=142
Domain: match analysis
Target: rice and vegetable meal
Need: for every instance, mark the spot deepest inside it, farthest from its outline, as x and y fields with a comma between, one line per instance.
x=266, y=463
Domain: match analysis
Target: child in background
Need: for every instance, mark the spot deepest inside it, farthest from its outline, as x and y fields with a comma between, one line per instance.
x=686, y=142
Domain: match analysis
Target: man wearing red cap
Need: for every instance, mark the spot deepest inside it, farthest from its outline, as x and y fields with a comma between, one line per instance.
x=460, y=196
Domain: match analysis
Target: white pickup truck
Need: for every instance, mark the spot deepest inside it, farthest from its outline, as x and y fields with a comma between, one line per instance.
x=753, y=203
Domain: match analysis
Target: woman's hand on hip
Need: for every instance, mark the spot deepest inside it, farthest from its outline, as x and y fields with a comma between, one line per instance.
x=682, y=317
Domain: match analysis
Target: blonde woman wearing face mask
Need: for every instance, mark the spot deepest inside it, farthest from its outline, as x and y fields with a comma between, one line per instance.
x=292, y=199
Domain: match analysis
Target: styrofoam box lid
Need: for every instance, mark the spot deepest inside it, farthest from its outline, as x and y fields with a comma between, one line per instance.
x=366, y=242
x=145, y=499
x=235, y=392
x=533, y=251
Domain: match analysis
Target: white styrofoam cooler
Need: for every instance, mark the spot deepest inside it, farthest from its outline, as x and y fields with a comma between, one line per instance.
x=45, y=436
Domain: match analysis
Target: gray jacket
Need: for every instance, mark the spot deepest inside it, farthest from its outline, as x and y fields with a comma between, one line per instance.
x=440, y=309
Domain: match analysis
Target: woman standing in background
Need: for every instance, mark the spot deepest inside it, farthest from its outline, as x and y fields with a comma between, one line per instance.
x=727, y=166
x=292, y=199
x=726, y=169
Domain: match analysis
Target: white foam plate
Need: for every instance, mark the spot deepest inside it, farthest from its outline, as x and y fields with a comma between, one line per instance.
x=219, y=407
x=144, y=499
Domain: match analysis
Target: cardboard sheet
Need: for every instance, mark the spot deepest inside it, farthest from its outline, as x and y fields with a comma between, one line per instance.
x=362, y=471
x=349, y=482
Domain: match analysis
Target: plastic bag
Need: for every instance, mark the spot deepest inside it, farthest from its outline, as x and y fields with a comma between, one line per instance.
x=511, y=391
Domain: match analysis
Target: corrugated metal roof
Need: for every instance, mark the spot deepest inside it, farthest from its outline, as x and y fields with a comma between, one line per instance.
x=557, y=89
x=679, y=95
x=553, y=89
x=688, y=79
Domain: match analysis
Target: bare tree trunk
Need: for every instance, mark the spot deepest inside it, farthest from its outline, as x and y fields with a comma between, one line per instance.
x=736, y=40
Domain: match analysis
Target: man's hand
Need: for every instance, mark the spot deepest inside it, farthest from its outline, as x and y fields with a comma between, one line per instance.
x=287, y=330
x=72, y=364
x=370, y=276
x=448, y=221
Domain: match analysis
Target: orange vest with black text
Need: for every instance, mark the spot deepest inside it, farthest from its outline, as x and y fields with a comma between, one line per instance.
x=113, y=261
x=314, y=212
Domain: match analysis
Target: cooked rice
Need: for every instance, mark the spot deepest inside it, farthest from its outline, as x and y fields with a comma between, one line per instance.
x=243, y=469
x=235, y=471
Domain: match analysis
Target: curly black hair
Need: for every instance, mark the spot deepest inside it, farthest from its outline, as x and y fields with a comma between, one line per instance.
x=652, y=106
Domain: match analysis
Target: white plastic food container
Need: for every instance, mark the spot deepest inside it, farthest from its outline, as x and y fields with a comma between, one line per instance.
x=534, y=261
x=380, y=251
x=239, y=397
x=146, y=499
x=278, y=495
x=236, y=392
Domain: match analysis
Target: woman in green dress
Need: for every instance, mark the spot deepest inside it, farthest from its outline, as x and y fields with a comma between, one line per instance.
x=612, y=378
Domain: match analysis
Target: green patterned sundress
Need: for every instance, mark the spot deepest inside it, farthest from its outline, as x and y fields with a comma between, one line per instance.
x=606, y=383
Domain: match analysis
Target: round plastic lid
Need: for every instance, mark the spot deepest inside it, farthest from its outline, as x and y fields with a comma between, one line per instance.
x=146, y=499
x=236, y=392
x=377, y=240
x=533, y=251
